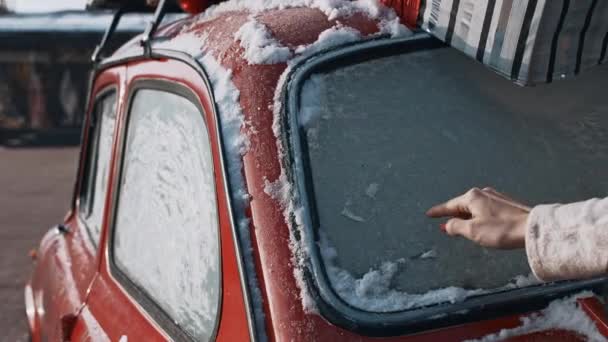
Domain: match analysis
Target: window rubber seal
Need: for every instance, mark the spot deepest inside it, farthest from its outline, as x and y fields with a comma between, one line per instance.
x=329, y=303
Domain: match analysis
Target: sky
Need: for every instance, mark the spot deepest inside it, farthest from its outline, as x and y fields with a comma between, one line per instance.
x=45, y=5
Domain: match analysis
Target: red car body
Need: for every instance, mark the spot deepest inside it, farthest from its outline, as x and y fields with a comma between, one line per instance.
x=73, y=293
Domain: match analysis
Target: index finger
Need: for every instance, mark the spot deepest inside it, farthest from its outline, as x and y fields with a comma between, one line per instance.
x=456, y=207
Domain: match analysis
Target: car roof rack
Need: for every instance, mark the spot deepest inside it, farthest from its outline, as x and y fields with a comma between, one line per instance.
x=96, y=57
x=162, y=8
x=159, y=14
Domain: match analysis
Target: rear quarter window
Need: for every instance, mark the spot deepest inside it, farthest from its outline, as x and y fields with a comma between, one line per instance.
x=386, y=138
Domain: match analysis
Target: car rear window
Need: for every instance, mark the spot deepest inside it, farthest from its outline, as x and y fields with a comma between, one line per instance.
x=387, y=138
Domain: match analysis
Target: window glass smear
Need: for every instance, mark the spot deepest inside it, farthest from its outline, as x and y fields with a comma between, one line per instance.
x=166, y=232
x=387, y=139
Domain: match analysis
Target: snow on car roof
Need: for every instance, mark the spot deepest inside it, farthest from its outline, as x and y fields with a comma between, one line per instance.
x=260, y=46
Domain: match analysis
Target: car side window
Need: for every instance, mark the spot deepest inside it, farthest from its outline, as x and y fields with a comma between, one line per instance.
x=97, y=166
x=166, y=239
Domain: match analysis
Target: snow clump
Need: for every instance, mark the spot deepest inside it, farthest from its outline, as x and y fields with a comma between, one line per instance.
x=331, y=37
x=562, y=314
x=373, y=292
x=259, y=45
x=333, y=9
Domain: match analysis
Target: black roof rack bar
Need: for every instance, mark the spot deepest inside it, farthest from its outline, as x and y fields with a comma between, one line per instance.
x=159, y=14
x=96, y=57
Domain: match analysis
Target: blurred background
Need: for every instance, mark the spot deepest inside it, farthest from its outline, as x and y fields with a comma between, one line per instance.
x=45, y=49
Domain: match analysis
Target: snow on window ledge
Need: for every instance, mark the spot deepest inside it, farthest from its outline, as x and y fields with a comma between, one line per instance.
x=236, y=144
x=561, y=314
x=372, y=291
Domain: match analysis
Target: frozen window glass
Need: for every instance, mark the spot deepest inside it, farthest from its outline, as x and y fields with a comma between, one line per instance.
x=388, y=138
x=95, y=184
x=166, y=229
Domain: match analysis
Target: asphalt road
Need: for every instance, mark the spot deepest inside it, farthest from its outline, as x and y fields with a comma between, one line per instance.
x=35, y=189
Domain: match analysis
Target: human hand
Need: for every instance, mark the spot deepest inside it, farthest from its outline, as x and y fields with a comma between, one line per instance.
x=486, y=217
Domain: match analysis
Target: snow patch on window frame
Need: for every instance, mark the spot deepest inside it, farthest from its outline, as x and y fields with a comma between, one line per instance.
x=281, y=190
x=561, y=314
x=372, y=291
x=287, y=198
x=236, y=144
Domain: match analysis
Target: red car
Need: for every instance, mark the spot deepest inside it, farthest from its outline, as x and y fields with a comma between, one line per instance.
x=260, y=174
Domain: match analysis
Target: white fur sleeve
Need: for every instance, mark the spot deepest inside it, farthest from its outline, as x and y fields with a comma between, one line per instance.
x=568, y=241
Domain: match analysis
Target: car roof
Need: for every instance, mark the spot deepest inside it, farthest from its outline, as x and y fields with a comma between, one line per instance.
x=205, y=35
x=214, y=32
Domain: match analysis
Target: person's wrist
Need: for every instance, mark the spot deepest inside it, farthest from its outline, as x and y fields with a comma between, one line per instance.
x=520, y=229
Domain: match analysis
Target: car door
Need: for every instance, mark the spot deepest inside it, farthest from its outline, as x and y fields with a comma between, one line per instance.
x=167, y=271
x=68, y=255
